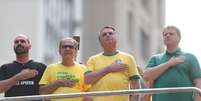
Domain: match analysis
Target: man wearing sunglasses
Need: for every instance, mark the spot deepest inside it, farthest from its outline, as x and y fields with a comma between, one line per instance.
x=66, y=76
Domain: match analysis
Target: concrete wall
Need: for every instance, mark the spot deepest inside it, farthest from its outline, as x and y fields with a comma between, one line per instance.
x=19, y=17
x=131, y=18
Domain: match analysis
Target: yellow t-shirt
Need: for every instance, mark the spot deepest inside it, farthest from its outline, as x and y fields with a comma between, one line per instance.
x=112, y=81
x=58, y=72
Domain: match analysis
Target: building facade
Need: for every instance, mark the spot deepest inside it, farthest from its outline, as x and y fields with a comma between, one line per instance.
x=138, y=23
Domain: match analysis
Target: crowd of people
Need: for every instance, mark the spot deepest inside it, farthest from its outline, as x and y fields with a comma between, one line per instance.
x=112, y=69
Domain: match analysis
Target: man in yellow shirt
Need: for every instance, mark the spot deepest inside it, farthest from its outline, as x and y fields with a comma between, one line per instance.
x=112, y=69
x=67, y=76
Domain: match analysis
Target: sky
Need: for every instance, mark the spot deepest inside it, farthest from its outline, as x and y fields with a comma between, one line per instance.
x=186, y=15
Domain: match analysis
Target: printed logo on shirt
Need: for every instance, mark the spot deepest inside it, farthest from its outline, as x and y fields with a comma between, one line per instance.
x=25, y=83
x=66, y=76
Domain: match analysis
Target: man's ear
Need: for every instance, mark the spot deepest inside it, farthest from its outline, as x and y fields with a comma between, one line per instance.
x=100, y=40
x=60, y=50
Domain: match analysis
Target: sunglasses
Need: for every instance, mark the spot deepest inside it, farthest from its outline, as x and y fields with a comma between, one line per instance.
x=110, y=33
x=67, y=46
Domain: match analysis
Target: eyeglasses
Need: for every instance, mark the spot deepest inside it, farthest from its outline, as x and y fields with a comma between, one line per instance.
x=110, y=33
x=67, y=46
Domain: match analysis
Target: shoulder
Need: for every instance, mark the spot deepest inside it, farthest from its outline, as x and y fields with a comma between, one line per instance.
x=189, y=56
x=157, y=56
x=96, y=56
x=80, y=68
x=155, y=59
x=38, y=63
x=80, y=65
x=53, y=65
x=6, y=65
x=124, y=54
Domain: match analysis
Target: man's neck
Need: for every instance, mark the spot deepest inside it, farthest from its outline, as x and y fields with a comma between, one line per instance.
x=109, y=47
x=172, y=49
x=23, y=58
x=67, y=62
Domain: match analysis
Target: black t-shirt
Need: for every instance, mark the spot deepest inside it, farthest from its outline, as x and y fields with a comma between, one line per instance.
x=24, y=87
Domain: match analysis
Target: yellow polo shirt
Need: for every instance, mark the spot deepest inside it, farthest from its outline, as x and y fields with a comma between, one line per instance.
x=113, y=81
x=58, y=72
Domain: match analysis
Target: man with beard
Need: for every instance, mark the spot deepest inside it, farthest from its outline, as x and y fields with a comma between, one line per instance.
x=112, y=69
x=21, y=77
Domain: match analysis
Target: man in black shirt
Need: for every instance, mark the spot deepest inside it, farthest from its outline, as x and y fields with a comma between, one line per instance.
x=21, y=77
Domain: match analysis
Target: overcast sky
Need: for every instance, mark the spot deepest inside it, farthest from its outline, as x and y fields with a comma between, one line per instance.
x=186, y=15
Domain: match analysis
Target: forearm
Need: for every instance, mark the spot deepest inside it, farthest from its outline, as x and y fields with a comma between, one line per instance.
x=8, y=83
x=87, y=98
x=146, y=97
x=49, y=88
x=92, y=77
x=134, y=84
x=151, y=74
x=197, y=83
x=197, y=97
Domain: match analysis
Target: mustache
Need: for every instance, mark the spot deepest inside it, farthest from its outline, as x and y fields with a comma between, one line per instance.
x=19, y=46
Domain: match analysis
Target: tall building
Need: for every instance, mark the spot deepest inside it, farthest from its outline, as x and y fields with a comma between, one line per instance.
x=138, y=23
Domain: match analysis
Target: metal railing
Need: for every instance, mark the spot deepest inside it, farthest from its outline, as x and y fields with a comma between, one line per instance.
x=105, y=93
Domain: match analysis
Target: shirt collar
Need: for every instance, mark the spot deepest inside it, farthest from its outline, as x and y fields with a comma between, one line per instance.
x=177, y=52
x=21, y=63
x=110, y=54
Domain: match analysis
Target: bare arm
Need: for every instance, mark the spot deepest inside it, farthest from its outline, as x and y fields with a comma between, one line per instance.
x=7, y=84
x=134, y=84
x=24, y=74
x=147, y=97
x=155, y=72
x=87, y=98
x=92, y=77
x=49, y=88
x=95, y=76
x=197, y=83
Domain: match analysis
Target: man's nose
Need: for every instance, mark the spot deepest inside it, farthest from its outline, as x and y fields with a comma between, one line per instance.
x=19, y=42
x=67, y=48
x=107, y=34
x=168, y=34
